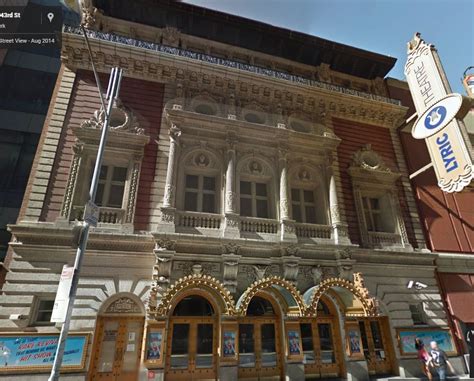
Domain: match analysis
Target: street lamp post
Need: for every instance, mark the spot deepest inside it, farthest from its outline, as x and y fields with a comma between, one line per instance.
x=112, y=93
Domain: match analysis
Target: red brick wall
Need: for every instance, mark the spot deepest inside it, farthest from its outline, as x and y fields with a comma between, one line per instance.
x=146, y=101
x=354, y=136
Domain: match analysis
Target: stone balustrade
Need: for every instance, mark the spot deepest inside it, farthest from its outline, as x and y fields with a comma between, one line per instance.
x=313, y=231
x=106, y=215
x=258, y=225
x=381, y=239
x=199, y=220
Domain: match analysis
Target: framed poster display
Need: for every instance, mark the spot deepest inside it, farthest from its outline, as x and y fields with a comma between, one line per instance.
x=353, y=340
x=406, y=339
x=154, y=346
x=35, y=352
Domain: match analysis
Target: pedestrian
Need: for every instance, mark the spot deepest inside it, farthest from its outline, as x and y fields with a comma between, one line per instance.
x=440, y=360
x=424, y=357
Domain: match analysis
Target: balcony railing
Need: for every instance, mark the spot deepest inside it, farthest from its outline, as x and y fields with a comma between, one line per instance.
x=199, y=220
x=258, y=225
x=313, y=231
x=106, y=215
x=381, y=239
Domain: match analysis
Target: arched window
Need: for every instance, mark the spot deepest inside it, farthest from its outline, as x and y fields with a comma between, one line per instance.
x=260, y=307
x=193, y=305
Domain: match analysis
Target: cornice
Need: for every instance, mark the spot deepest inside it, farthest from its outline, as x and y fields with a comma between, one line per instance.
x=50, y=234
x=160, y=63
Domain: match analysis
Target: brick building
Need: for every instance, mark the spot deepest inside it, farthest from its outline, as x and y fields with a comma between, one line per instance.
x=256, y=218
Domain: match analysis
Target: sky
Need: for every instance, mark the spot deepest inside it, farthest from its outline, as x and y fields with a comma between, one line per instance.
x=382, y=26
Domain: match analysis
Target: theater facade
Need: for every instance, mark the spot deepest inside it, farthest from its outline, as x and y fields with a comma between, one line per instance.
x=256, y=217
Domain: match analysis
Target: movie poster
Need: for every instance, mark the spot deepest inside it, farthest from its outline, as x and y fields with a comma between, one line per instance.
x=153, y=350
x=229, y=343
x=294, y=342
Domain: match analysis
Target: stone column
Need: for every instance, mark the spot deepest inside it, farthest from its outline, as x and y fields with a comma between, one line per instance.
x=231, y=229
x=339, y=230
x=168, y=209
x=287, y=225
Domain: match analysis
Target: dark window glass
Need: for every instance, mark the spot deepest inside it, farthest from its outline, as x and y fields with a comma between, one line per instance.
x=262, y=208
x=246, y=207
x=309, y=196
x=307, y=337
x=191, y=201
x=99, y=195
x=45, y=309
x=192, y=181
x=363, y=336
x=268, y=338
x=259, y=306
x=209, y=183
x=204, y=339
x=120, y=174
x=246, y=338
x=297, y=213
x=193, y=306
x=103, y=172
x=325, y=336
x=261, y=189
x=208, y=203
x=245, y=187
x=295, y=194
x=180, y=341
x=310, y=214
x=116, y=196
x=376, y=335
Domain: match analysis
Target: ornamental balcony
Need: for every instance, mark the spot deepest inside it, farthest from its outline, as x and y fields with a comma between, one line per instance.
x=384, y=240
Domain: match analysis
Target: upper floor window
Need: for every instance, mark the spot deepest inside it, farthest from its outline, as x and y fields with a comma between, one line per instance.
x=418, y=313
x=378, y=214
x=254, y=199
x=303, y=206
x=43, y=312
x=111, y=187
x=200, y=193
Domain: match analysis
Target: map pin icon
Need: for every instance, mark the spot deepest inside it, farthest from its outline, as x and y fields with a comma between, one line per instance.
x=50, y=16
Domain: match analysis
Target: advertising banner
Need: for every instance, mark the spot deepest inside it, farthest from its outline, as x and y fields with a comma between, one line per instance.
x=34, y=352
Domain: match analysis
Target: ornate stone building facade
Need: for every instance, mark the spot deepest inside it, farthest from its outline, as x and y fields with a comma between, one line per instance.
x=256, y=218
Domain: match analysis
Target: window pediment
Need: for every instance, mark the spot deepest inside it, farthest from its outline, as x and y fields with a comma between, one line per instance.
x=368, y=166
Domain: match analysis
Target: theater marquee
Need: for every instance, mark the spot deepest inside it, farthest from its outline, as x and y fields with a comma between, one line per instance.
x=436, y=123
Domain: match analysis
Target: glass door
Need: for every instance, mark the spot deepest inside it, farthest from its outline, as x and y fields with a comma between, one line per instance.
x=192, y=351
x=376, y=346
x=259, y=348
x=322, y=356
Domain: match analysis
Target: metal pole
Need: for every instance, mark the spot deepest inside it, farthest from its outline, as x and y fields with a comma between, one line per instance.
x=115, y=75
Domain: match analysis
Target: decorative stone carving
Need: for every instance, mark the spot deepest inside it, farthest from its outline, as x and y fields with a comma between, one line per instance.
x=345, y=271
x=165, y=244
x=132, y=193
x=196, y=269
x=230, y=201
x=255, y=167
x=122, y=119
x=290, y=268
x=171, y=36
x=123, y=305
x=317, y=274
x=231, y=248
x=78, y=149
x=231, y=268
x=168, y=215
x=201, y=160
x=259, y=271
x=231, y=108
x=89, y=14
x=344, y=254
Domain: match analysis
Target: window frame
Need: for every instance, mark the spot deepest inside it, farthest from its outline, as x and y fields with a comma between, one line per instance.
x=302, y=204
x=200, y=191
x=36, y=311
x=420, y=310
x=254, y=197
x=109, y=182
x=383, y=213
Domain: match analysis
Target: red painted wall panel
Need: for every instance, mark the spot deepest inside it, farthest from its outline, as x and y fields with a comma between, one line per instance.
x=146, y=101
x=354, y=136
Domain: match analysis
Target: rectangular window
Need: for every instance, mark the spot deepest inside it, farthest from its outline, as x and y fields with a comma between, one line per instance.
x=43, y=312
x=200, y=194
x=111, y=186
x=254, y=199
x=417, y=314
x=303, y=206
x=378, y=214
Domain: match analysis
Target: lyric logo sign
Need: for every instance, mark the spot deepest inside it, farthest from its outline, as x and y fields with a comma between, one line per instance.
x=436, y=122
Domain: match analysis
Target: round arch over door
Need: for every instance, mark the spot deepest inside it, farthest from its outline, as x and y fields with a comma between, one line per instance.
x=118, y=339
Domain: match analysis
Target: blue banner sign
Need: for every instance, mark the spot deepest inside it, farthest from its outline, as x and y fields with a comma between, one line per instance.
x=37, y=351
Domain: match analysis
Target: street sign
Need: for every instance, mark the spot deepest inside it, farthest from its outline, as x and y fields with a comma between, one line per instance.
x=91, y=213
x=62, y=295
x=429, y=88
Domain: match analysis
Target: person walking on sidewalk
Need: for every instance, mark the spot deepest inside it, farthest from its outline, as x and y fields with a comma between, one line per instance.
x=424, y=357
x=440, y=360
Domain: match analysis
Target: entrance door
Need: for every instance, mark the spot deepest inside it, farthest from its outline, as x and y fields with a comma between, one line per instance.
x=192, y=350
x=118, y=347
x=376, y=341
x=322, y=354
x=260, y=343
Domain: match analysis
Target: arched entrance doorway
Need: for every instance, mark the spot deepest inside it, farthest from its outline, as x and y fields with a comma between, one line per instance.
x=321, y=338
x=260, y=340
x=192, y=342
x=118, y=339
